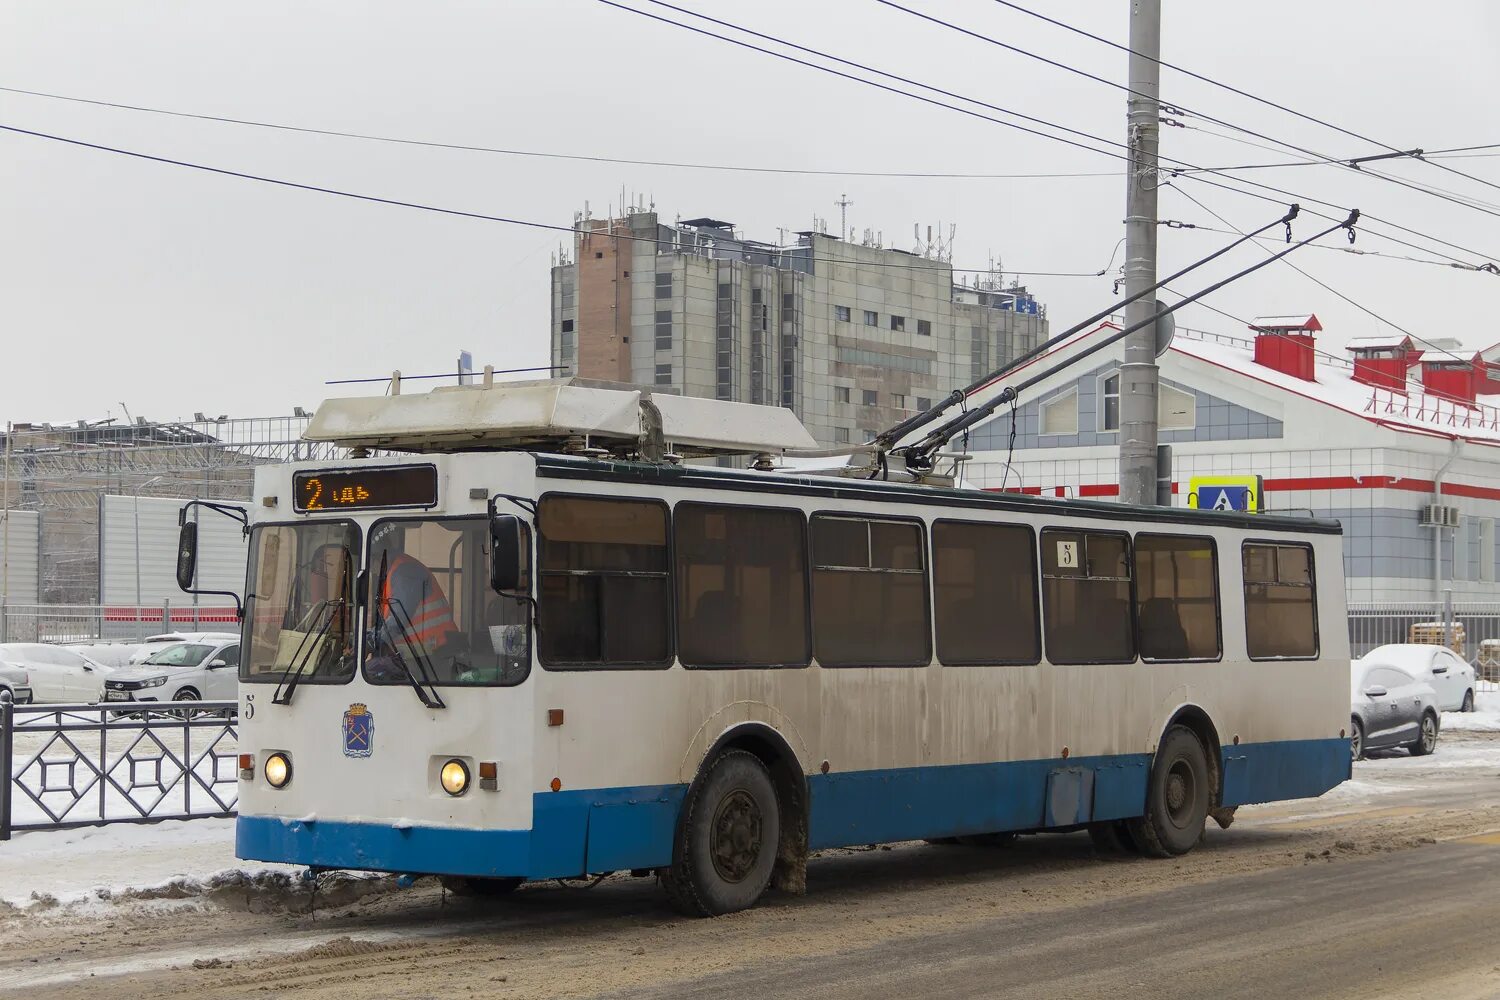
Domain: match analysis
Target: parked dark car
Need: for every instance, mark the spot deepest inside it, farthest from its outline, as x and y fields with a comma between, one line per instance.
x=1391, y=708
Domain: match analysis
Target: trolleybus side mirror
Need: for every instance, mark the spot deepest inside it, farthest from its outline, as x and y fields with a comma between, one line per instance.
x=187, y=554
x=510, y=554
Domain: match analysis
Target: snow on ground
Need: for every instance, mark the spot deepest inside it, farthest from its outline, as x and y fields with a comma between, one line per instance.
x=75, y=865
x=1485, y=718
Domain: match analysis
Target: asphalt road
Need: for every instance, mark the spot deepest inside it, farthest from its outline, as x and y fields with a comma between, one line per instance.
x=1414, y=923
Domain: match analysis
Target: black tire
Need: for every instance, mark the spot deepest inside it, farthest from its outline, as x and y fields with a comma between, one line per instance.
x=1427, y=741
x=488, y=888
x=187, y=694
x=1468, y=705
x=1177, y=797
x=1112, y=837
x=727, y=839
x=1004, y=839
x=1356, y=739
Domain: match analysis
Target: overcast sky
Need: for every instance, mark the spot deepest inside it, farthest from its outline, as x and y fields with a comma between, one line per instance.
x=173, y=291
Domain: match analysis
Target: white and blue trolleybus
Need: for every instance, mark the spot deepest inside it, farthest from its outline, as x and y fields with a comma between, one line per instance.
x=528, y=634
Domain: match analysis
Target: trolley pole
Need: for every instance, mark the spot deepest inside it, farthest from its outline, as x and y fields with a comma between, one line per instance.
x=1138, y=382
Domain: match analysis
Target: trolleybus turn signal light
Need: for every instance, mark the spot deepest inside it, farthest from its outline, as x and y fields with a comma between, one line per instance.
x=489, y=775
x=247, y=766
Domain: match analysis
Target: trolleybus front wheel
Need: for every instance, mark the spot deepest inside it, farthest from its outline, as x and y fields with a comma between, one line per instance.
x=1177, y=799
x=727, y=843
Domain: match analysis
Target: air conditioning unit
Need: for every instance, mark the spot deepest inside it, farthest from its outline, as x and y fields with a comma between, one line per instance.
x=1436, y=515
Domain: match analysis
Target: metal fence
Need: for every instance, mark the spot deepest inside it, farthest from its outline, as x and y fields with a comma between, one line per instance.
x=64, y=766
x=1470, y=628
x=107, y=623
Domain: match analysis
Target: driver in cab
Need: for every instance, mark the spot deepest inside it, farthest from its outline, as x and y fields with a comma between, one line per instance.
x=412, y=618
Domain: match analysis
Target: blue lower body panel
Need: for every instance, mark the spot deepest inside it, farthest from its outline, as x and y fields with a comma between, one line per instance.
x=611, y=829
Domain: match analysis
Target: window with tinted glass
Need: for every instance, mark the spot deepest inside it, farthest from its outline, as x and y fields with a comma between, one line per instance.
x=869, y=593
x=1086, y=597
x=741, y=586
x=1176, y=597
x=984, y=593
x=605, y=599
x=1281, y=620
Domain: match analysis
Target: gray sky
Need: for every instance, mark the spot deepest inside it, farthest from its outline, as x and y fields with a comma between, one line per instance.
x=175, y=291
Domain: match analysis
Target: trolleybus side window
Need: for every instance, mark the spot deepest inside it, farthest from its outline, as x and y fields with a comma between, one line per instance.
x=431, y=613
x=605, y=596
x=741, y=586
x=869, y=593
x=984, y=593
x=300, y=602
x=1086, y=596
x=1177, y=597
x=1281, y=618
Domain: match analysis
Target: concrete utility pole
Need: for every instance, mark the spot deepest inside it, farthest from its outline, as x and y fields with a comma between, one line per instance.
x=1138, y=373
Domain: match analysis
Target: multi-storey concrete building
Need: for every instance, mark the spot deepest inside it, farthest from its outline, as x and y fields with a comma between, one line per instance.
x=851, y=338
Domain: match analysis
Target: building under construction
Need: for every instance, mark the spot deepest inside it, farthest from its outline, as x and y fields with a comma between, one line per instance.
x=56, y=477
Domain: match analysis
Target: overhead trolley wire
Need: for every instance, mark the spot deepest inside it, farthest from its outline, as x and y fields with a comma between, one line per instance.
x=1323, y=285
x=541, y=154
x=1229, y=87
x=1322, y=157
x=1104, y=152
x=530, y=224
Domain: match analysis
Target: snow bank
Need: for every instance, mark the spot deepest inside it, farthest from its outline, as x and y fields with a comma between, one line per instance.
x=1484, y=719
x=98, y=862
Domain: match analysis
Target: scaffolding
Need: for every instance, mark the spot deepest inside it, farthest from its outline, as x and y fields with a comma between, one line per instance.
x=63, y=471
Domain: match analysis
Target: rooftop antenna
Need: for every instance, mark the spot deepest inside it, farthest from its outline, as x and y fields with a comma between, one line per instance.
x=843, y=203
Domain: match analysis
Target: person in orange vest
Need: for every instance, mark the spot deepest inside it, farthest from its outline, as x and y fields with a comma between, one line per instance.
x=412, y=612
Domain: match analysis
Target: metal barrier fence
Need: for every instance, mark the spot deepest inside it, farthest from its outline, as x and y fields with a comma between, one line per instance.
x=65, y=766
x=107, y=623
x=1470, y=628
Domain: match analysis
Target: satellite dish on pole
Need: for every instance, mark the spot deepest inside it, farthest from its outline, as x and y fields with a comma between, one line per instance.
x=1166, y=327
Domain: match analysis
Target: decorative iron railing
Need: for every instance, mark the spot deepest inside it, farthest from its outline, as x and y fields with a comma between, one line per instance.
x=65, y=766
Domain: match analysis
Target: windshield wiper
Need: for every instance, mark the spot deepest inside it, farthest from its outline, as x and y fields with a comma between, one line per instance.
x=310, y=642
x=434, y=700
x=419, y=650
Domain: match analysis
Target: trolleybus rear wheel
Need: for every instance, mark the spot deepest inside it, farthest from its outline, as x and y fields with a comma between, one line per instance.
x=1177, y=798
x=461, y=885
x=727, y=843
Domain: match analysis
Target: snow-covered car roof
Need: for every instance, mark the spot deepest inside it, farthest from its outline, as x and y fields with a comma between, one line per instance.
x=1407, y=655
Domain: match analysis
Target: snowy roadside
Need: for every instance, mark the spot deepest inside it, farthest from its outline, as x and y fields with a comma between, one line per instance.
x=1484, y=719
x=175, y=858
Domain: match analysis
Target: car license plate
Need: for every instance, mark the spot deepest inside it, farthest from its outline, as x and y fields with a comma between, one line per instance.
x=117, y=696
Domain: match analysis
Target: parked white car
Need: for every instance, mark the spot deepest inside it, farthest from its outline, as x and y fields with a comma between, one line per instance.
x=112, y=654
x=16, y=682
x=153, y=644
x=181, y=671
x=57, y=674
x=1449, y=675
x=1390, y=708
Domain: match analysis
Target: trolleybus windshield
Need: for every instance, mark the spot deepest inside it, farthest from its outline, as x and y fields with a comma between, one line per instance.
x=299, y=602
x=430, y=612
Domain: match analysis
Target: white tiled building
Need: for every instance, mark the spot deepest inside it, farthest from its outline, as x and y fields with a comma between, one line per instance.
x=1373, y=439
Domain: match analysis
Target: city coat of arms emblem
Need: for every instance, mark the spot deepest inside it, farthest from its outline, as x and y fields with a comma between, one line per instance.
x=359, y=732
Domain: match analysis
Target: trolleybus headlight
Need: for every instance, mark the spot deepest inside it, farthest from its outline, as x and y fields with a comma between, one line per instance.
x=455, y=777
x=278, y=770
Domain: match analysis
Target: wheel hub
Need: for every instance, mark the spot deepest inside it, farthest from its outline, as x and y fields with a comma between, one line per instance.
x=1181, y=789
x=736, y=836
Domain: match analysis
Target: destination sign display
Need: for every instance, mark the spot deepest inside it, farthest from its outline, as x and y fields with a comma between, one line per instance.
x=365, y=489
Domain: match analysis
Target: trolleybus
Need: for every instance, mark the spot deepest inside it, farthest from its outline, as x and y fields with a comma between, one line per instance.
x=528, y=637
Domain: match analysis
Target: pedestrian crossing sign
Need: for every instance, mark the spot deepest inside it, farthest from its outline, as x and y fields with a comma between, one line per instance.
x=1241, y=493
